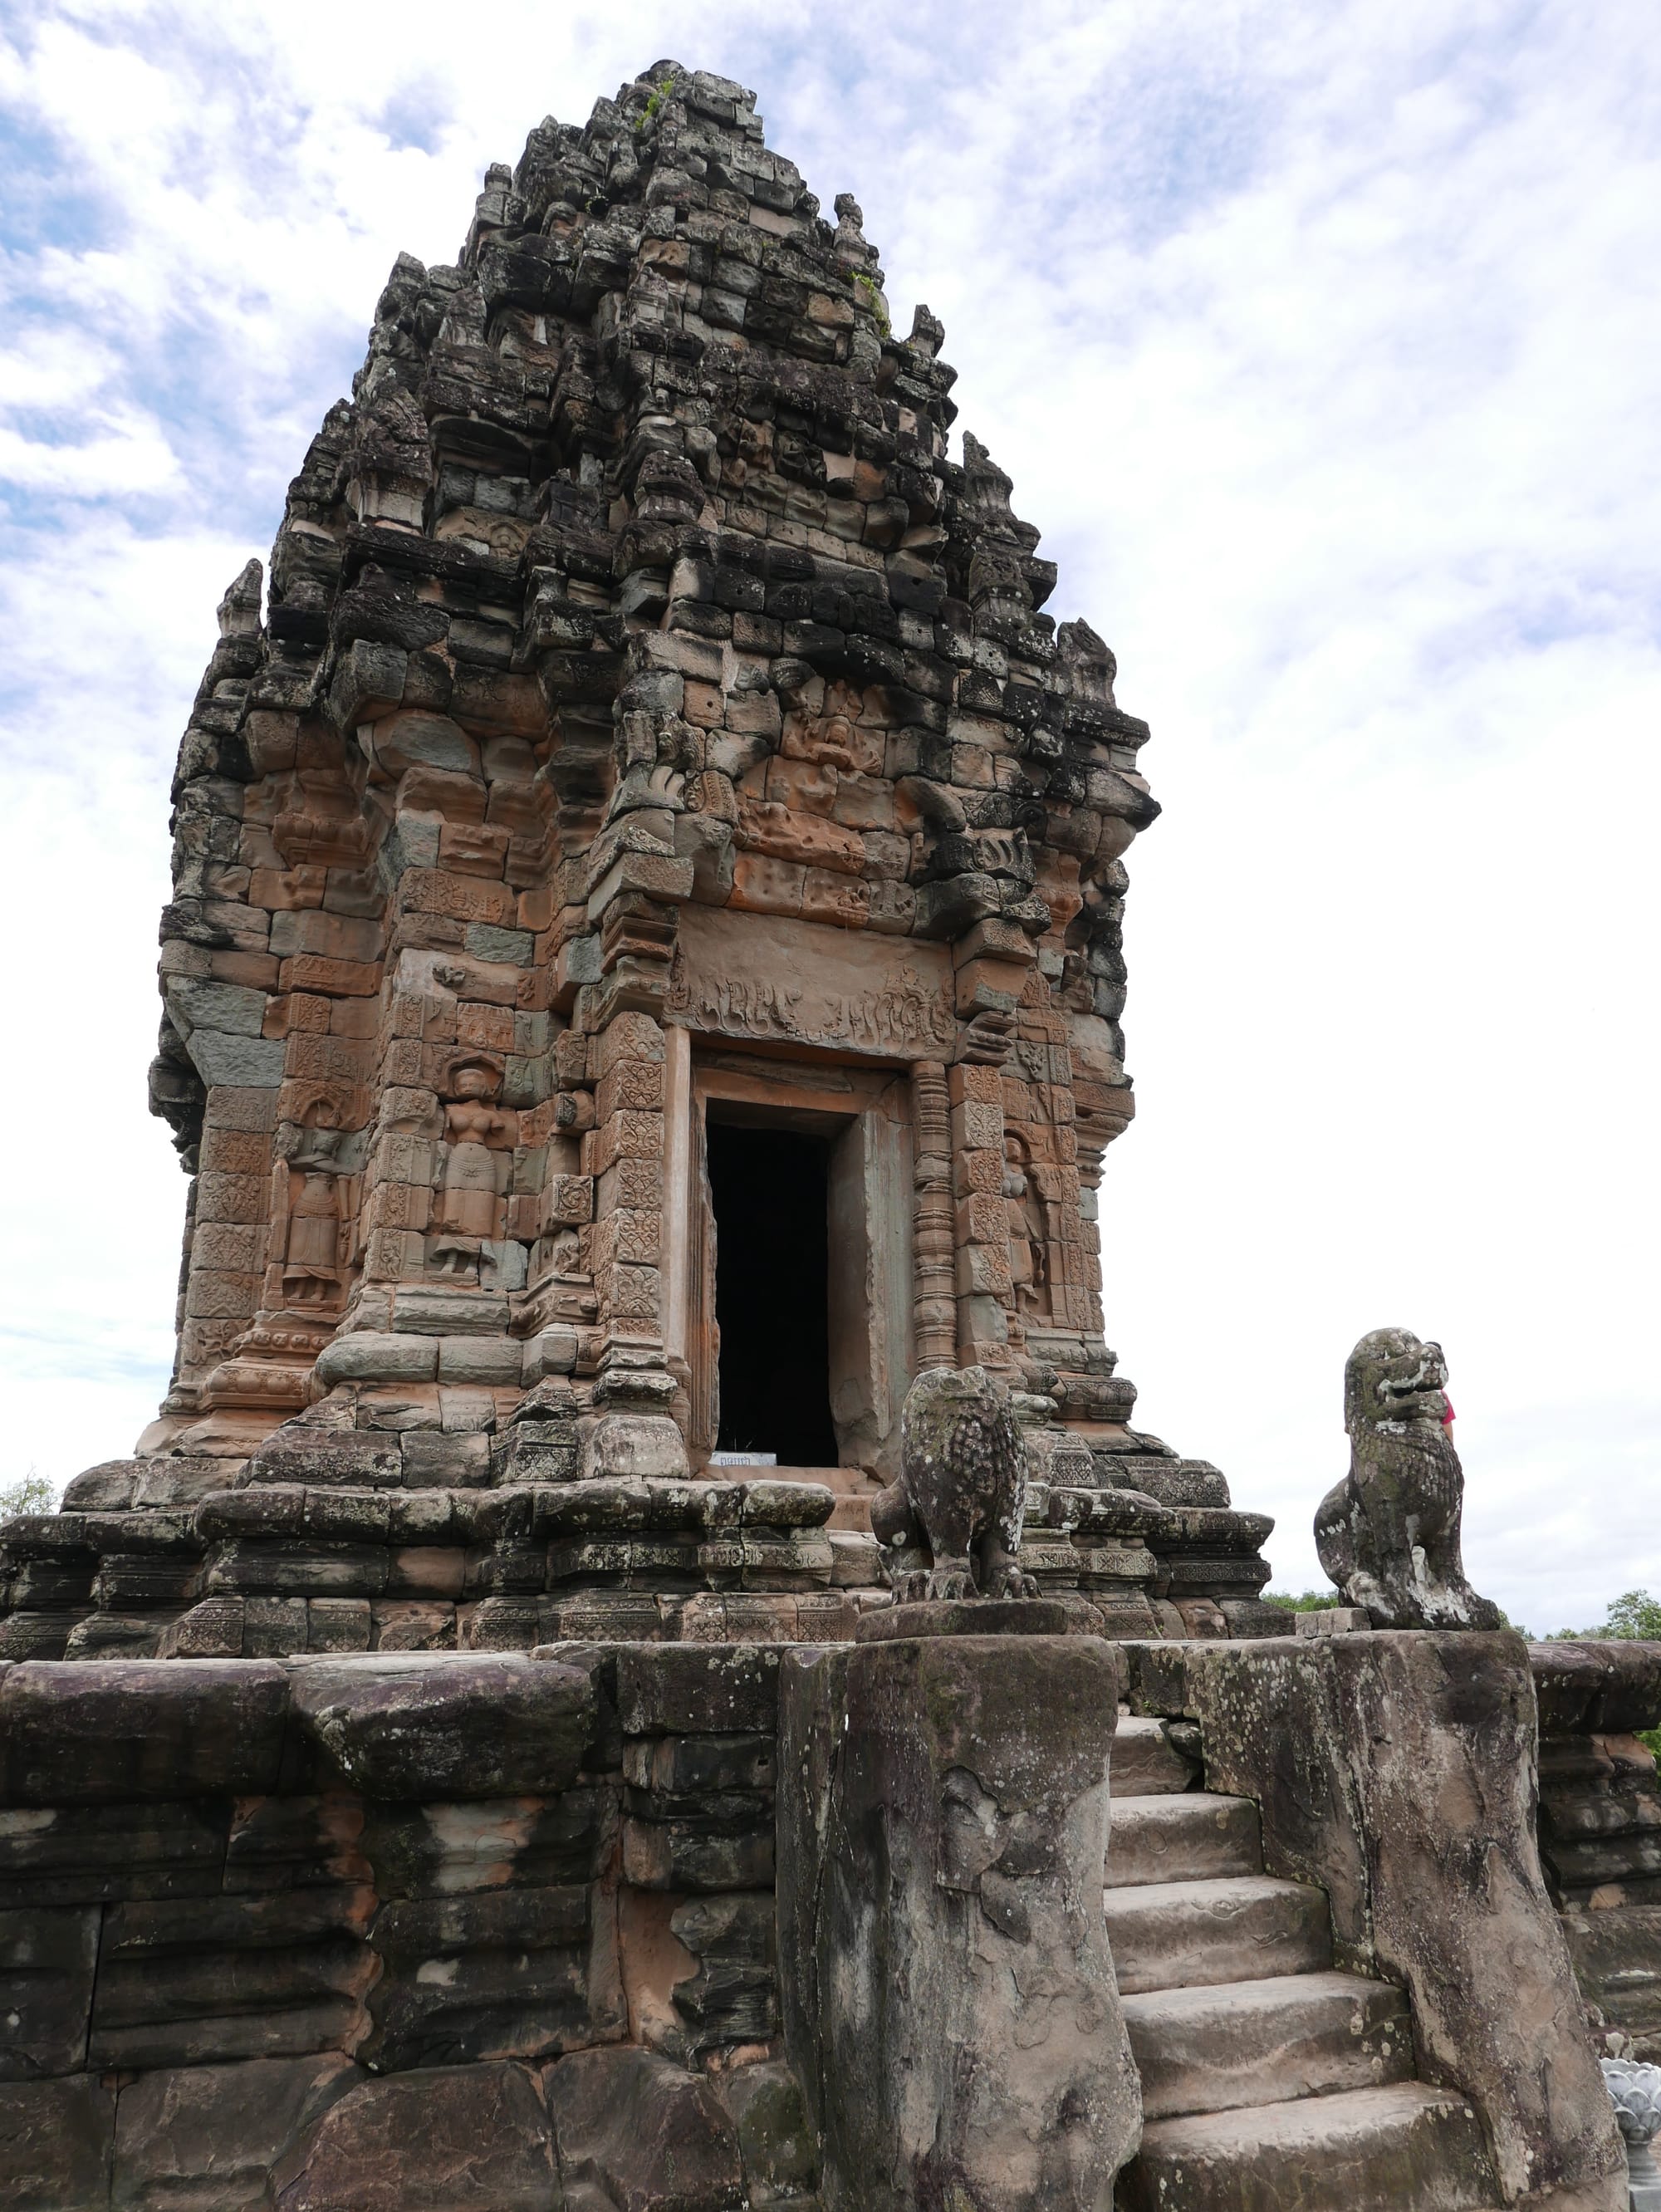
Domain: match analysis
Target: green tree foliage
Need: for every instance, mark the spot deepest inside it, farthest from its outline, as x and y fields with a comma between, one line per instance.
x=30, y=1493
x=1636, y=1614
x=1303, y=1600
x=1633, y=1616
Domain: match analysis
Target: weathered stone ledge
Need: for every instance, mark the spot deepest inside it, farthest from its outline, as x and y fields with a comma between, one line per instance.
x=391, y=1931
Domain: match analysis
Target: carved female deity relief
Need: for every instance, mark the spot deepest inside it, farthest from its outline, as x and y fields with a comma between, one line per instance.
x=473, y=1167
x=1029, y=1244
x=311, y=1271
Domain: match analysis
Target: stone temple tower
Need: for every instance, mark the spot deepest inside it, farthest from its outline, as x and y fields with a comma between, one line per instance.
x=642, y=990
x=643, y=977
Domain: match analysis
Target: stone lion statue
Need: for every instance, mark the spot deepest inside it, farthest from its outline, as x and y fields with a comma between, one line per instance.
x=1388, y=1534
x=962, y=1489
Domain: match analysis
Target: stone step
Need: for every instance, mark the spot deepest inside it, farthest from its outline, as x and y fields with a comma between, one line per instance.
x=853, y=1486
x=1211, y=2049
x=1404, y=2148
x=1192, y=1837
x=846, y=1481
x=1178, y=1935
x=1142, y=1763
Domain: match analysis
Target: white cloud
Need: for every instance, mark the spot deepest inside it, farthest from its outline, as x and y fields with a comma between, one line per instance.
x=1318, y=339
x=119, y=457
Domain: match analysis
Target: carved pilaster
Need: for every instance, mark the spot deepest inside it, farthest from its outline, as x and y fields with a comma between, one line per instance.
x=623, y=1152
x=1090, y=1155
x=935, y=1305
x=985, y=1291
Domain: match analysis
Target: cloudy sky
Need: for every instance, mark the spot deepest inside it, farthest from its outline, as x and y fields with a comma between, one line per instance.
x=1321, y=339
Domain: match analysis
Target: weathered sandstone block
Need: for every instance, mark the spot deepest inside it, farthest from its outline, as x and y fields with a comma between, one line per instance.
x=639, y=2134
x=205, y=2138
x=429, y=1725
x=57, y=2143
x=949, y=1999
x=433, y=2141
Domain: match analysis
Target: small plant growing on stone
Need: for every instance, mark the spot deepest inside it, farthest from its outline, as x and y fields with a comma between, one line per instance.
x=873, y=299
x=648, y=114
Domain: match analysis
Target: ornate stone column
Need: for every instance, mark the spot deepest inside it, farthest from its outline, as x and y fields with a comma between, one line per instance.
x=633, y=911
x=932, y=1241
x=985, y=1290
x=990, y=963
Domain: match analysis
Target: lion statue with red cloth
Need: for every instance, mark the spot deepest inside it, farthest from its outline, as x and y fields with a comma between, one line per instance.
x=1388, y=1534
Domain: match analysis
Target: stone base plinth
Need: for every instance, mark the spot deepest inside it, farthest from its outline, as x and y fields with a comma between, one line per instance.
x=966, y=1616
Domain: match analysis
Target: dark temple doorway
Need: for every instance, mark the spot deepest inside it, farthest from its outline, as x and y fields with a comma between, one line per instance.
x=769, y=1193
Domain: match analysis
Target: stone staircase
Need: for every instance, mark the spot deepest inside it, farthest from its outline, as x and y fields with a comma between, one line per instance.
x=1269, y=2082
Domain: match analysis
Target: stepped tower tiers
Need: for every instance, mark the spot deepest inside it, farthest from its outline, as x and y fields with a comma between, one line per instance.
x=643, y=976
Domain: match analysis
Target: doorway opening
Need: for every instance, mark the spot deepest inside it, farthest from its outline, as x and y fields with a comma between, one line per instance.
x=769, y=1192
